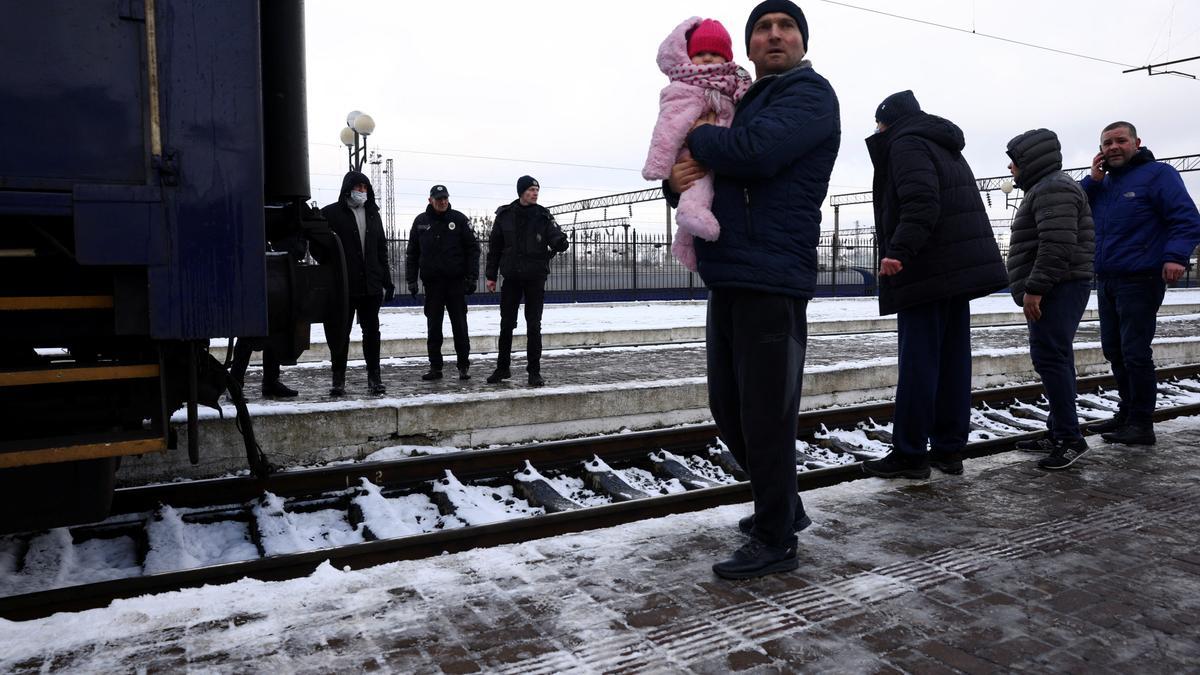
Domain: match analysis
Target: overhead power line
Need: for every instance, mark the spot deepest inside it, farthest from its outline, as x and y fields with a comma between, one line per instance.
x=975, y=32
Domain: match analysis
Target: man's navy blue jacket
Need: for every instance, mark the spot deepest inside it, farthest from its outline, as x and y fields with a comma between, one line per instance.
x=772, y=170
x=1144, y=217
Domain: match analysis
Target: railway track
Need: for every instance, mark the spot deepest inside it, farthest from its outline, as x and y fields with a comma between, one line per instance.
x=174, y=536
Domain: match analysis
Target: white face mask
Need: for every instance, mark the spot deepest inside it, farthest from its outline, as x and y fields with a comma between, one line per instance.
x=358, y=198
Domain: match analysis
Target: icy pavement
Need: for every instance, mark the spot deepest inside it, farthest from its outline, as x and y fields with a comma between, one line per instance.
x=1007, y=568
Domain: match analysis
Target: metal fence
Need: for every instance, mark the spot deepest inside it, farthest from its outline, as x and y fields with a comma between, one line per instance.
x=622, y=265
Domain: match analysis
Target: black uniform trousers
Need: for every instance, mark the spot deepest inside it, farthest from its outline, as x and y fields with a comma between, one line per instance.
x=444, y=296
x=511, y=293
x=756, y=346
x=367, y=309
x=242, y=352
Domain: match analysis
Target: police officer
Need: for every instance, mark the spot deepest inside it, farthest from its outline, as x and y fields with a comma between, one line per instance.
x=443, y=251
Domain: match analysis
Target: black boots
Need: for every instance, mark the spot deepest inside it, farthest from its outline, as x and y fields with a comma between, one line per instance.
x=1113, y=423
x=946, y=461
x=432, y=375
x=898, y=465
x=536, y=380
x=498, y=375
x=463, y=373
x=1132, y=434
x=800, y=522
x=756, y=559
x=278, y=389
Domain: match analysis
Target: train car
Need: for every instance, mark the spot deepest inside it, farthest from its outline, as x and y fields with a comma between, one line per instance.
x=153, y=154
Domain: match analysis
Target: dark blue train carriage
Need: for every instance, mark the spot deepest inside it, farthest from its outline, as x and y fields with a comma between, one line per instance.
x=151, y=153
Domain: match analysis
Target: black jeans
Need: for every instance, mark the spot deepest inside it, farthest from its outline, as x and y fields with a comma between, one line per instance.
x=441, y=297
x=511, y=293
x=1128, y=318
x=933, y=388
x=367, y=309
x=756, y=345
x=1050, y=348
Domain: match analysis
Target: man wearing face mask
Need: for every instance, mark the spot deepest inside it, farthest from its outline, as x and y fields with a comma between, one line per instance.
x=1146, y=229
x=355, y=219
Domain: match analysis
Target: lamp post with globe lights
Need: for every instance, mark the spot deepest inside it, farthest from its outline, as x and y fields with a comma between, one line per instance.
x=359, y=125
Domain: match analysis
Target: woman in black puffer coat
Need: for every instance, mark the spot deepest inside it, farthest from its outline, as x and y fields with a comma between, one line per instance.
x=1050, y=275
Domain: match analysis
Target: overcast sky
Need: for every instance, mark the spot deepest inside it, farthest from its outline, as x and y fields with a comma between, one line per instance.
x=475, y=94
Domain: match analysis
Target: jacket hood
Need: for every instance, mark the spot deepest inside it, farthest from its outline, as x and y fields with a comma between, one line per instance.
x=353, y=178
x=1037, y=154
x=673, y=50
x=937, y=129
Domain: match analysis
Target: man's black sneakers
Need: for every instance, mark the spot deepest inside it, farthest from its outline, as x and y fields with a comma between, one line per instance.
x=432, y=375
x=1132, y=434
x=756, y=559
x=278, y=389
x=498, y=375
x=464, y=374
x=898, y=465
x=1043, y=444
x=1064, y=454
x=536, y=380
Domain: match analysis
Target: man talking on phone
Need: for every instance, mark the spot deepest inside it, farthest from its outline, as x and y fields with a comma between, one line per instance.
x=1146, y=229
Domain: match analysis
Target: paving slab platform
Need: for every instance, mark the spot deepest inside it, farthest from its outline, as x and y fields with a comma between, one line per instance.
x=1004, y=569
x=591, y=391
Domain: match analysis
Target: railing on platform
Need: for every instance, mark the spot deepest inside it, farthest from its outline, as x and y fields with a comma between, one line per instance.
x=622, y=265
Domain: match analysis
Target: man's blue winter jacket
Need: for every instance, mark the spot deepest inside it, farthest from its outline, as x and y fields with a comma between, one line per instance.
x=1144, y=217
x=772, y=170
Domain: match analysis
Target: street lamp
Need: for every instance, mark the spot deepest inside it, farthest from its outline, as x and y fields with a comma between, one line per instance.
x=359, y=125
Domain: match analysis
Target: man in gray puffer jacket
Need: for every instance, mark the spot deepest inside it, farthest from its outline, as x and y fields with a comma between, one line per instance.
x=1050, y=275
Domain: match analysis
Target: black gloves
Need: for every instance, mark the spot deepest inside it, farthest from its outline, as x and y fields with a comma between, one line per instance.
x=559, y=245
x=412, y=289
x=469, y=286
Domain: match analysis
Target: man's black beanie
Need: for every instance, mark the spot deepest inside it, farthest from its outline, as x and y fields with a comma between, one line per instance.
x=526, y=182
x=897, y=106
x=771, y=6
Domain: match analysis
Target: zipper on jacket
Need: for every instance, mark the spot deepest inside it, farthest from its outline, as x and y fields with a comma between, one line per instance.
x=749, y=222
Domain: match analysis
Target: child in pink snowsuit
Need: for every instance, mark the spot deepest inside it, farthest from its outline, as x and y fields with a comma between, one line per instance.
x=698, y=58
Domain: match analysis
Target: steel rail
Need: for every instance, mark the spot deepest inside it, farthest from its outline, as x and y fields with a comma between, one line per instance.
x=76, y=598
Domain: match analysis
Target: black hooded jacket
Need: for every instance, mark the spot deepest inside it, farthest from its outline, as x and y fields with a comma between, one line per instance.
x=442, y=247
x=522, y=242
x=1053, y=237
x=367, y=271
x=930, y=217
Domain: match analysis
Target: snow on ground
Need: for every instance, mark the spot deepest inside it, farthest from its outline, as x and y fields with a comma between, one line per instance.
x=405, y=322
x=301, y=607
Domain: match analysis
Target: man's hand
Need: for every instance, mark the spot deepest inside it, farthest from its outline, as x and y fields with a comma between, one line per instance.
x=889, y=267
x=684, y=173
x=1173, y=272
x=412, y=289
x=1098, y=167
x=708, y=118
x=491, y=285
x=1033, y=307
x=388, y=294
